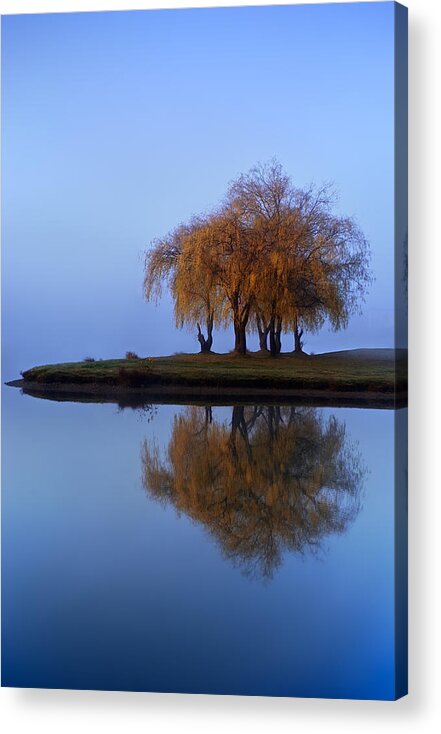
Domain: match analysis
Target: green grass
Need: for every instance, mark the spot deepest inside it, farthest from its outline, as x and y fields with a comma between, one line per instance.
x=358, y=370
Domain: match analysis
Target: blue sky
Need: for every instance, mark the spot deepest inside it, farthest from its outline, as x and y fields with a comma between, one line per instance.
x=117, y=126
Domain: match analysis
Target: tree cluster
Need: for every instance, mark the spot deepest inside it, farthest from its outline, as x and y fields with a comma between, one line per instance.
x=272, y=258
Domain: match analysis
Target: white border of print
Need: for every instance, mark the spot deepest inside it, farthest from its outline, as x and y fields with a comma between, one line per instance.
x=83, y=711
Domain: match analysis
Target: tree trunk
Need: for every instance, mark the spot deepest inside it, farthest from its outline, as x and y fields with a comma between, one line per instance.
x=263, y=332
x=240, y=321
x=272, y=339
x=275, y=331
x=240, y=337
x=278, y=335
x=298, y=343
x=206, y=343
x=209, y=341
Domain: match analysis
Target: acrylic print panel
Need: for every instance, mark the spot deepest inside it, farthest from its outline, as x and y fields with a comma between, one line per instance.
x=204, y=343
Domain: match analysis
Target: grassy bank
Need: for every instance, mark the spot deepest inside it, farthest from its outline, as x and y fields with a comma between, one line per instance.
x=373, y=371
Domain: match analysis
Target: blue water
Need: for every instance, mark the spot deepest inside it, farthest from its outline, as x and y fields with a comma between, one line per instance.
x=106, y=586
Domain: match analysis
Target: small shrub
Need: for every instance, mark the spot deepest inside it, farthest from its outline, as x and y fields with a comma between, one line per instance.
x=89, y=359
x=131, y=355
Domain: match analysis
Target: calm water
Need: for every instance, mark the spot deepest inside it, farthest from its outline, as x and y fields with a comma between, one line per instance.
x=232, y=550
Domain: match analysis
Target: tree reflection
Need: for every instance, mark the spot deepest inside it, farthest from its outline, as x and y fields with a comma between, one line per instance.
x=274, y=479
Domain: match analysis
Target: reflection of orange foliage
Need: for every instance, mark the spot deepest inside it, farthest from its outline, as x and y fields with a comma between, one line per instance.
x=276, y=479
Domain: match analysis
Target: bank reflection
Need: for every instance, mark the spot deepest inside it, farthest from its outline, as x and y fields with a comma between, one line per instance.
x=269, y=480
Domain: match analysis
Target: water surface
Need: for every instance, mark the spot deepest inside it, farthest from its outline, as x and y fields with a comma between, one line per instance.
x=244, y=550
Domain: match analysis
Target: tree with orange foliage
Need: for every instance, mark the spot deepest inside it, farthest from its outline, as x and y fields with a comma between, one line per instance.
x=271, y=257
